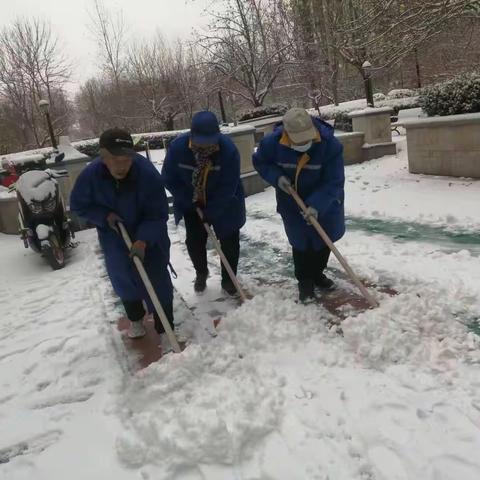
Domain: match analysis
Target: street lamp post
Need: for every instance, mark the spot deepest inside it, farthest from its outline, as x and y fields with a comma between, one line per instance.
x=222, y=106
x=44, y=106
x=367, y=78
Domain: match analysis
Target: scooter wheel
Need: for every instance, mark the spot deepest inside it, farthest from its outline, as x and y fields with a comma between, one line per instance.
x=54, y=254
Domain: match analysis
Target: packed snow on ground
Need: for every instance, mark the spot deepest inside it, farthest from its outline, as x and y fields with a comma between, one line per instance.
x=278, y=394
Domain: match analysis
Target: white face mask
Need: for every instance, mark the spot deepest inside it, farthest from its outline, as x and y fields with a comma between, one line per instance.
x=302, y=148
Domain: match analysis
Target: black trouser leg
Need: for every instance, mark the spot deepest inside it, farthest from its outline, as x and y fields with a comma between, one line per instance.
x=321, y=262
x=304, y=262
x=231, y=249
x=168, y=309
x=134, y=310
x=196, y=241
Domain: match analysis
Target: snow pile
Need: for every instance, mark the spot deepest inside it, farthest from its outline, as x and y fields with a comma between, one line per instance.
x=215, y=403
x=414, y=328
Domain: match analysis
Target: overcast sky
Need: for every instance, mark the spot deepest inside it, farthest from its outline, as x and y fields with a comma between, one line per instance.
x=174, y=18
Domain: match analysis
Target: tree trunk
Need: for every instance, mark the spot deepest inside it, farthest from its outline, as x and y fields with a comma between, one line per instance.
x=336, y=99
x=417, y=69
x=367, y=82
x=170, y=123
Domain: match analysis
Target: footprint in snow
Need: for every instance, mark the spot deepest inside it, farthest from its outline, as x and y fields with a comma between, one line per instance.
x=65, y=399
x=31, y=445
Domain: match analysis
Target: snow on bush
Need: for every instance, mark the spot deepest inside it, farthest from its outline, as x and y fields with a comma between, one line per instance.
x=401, y=93
x=379, y=96
x=276, y=109
x=456, y=96
x=156, y=140
x=343, y=122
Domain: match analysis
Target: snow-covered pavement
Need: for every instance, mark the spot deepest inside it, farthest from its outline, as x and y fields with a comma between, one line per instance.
x=277, y=395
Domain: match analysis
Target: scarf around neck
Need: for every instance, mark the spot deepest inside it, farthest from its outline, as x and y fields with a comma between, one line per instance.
x=203, y=164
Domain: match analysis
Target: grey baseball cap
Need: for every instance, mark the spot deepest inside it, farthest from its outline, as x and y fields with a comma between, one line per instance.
x=299, y=126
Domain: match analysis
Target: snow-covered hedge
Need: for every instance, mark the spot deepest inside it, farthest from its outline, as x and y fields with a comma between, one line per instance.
x=456, y=96
x=401, y=93
x=340, y=112
x=342, y=121
x=156, y=140
x=276, y=109
x=379, y=96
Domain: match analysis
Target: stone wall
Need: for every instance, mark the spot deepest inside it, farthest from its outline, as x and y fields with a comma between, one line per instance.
x=447, y=146
x=352, y=146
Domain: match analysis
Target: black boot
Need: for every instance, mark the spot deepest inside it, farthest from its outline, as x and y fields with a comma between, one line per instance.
x=306, y=293
x=200, y=282
x=229, y=287
x=324, y=282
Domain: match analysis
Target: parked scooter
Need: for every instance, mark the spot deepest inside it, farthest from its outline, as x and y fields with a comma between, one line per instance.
x=43, y=222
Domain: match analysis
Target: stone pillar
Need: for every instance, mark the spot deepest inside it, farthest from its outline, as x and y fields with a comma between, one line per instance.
x=376, y=125
x=244, y=138
x=9, y=215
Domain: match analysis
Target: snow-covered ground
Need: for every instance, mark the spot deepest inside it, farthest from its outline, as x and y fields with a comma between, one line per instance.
x=384, y=188
x=277, y=395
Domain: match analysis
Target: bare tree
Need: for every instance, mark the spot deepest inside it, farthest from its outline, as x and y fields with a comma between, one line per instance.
x=350, y=32
x=318, y=59
x=245, y=48
x=385, y=31
x=32, y=67
x=166, y=78
x=109, y=30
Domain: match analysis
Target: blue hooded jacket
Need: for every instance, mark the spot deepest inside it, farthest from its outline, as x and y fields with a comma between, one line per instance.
x=141, y=202
x=320, y=183
x=225, y=198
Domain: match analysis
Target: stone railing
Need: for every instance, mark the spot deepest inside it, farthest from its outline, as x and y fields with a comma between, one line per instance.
x=448, y=146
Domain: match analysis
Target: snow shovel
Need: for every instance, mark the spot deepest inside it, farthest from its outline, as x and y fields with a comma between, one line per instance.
x=223, y=258
x=151, y=292
x=373, y=303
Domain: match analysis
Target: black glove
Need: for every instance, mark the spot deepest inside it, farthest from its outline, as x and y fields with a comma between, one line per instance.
x=112, y=221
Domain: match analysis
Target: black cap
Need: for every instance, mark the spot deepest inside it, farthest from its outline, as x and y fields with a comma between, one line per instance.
x=117, y=141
